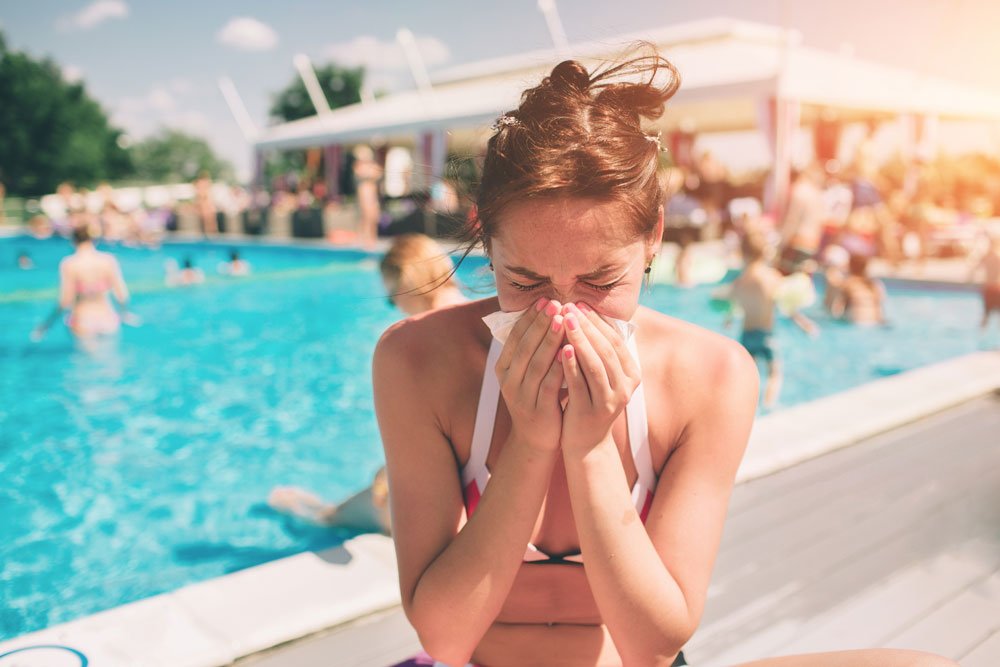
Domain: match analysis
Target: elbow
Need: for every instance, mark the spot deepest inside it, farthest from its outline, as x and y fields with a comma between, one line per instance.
x=442, y=638
x=662, y=651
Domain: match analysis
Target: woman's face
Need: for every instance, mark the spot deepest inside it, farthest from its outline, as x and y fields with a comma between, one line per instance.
x=570, y=250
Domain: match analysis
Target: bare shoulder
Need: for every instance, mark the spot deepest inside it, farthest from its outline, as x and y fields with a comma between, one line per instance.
x=693, y=363
x=432, y=343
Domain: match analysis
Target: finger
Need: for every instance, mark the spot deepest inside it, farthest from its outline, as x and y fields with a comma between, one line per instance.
x=587, y=358
x=525, y=349
x=603, y=346
x=620, y=345
x=576, y=385
x=517, y=332
x=552, y=382
x=545, y=353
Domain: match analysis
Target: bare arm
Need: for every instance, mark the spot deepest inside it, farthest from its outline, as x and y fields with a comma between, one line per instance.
x=650, y=582
x=454, y=580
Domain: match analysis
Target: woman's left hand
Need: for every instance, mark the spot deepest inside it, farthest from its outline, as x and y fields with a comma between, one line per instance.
x=600, y=378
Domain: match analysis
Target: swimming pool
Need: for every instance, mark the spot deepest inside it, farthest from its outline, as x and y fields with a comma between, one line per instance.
x=144, y=466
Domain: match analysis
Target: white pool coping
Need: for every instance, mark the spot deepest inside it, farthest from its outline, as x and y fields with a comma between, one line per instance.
x=331, y=599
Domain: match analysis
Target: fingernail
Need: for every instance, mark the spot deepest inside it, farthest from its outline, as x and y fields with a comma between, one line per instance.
x=551, y=309
x=539, y=304
x=557, y=322
x=584, y=307
x=571, y=323
x=568, y=352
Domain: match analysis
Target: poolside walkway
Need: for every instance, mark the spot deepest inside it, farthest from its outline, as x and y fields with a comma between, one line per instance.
x=892, y=542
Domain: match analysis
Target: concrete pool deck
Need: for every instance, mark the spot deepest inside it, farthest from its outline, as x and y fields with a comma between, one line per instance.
x=344, y=601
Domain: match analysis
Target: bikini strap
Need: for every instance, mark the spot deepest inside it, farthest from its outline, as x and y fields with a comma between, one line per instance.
x=638, y=434
x=486, y=414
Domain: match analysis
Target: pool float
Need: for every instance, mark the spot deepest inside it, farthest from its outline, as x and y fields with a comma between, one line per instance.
x=795, y=292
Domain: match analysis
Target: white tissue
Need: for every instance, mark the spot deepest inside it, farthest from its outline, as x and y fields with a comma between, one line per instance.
x=501, y=323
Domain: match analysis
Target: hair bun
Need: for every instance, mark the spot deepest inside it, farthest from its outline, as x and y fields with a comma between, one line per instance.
x=570, y=74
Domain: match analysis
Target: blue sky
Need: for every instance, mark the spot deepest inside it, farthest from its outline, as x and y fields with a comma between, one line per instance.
x=157, y=63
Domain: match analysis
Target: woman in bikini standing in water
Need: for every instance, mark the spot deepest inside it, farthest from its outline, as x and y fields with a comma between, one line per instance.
x=497, y=491
x=86, y=278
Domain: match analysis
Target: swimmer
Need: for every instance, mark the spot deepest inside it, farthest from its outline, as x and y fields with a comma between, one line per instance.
x=24, y=261
x=418, y=277
x=188, y=274
x=236, y=266
x=861, y=299
x=86, y=279
x=755, y=291
x=989, y=263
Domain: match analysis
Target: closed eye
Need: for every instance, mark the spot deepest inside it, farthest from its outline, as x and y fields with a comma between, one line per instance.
x=603, y=288
x=522, y=287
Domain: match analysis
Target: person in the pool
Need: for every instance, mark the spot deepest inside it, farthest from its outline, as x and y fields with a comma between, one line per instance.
x=236, y=266
x=24, y=261
x=418, y=277
x=861, y=298
x=755, y=292
x=536, y=524
x=86, y=279
x=989, y=264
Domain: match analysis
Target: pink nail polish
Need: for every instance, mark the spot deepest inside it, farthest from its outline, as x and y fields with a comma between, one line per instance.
x=584, y=307
x=557, y=322
x=568, y=352
x=571, y=323
x=539, y=305
x=551, y=309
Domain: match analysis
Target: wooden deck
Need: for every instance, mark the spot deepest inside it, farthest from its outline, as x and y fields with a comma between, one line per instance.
x=892, y=542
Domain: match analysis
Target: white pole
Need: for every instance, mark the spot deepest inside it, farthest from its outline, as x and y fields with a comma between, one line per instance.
x=413, y=57
x=237, y=108
x=551, y=12
x=308, y=76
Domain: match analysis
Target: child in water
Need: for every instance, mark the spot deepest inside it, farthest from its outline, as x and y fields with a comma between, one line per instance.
x=755, y=291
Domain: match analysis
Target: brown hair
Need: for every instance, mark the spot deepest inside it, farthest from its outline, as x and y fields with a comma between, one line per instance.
x=579, y=134
x=416, y=263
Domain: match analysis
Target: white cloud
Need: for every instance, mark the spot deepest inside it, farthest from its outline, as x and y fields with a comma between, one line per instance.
x=180, y=85
x=375, y=54
x=94, y=14
x=247, y=34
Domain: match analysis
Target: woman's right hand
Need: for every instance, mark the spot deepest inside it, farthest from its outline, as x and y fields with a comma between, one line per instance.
x=531, y=376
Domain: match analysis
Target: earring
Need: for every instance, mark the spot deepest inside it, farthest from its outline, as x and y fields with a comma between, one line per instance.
x=491, y=266
x=649, y=270
x=649, y=266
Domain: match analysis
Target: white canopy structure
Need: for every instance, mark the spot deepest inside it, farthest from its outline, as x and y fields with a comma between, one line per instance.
x=735, y=75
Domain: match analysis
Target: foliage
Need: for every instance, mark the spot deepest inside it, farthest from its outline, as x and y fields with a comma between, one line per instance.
x=53, y=131
x=341, y=86
x=172, y=155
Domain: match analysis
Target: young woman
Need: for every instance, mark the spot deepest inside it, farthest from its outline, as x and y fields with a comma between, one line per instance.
x=511, y=464
x=86, y=278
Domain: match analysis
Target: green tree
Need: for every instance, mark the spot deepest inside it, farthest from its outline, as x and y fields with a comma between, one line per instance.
x=53, y=131
x=341, y=86
x=172, y=155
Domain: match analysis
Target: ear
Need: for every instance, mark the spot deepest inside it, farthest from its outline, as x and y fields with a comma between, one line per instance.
x=655, y=237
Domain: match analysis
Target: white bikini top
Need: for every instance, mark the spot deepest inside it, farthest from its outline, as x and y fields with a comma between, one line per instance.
x=475, y=475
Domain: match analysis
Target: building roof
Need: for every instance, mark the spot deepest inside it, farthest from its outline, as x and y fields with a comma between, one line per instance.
x=720, y=60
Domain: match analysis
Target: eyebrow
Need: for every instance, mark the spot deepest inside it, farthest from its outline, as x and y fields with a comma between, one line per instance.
x=528, y=273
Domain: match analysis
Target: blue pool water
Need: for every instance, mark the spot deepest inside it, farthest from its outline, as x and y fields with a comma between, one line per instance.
x=143, y=466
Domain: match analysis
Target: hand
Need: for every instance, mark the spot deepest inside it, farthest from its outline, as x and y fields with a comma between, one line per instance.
x=530, y=375
x=601, y=376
